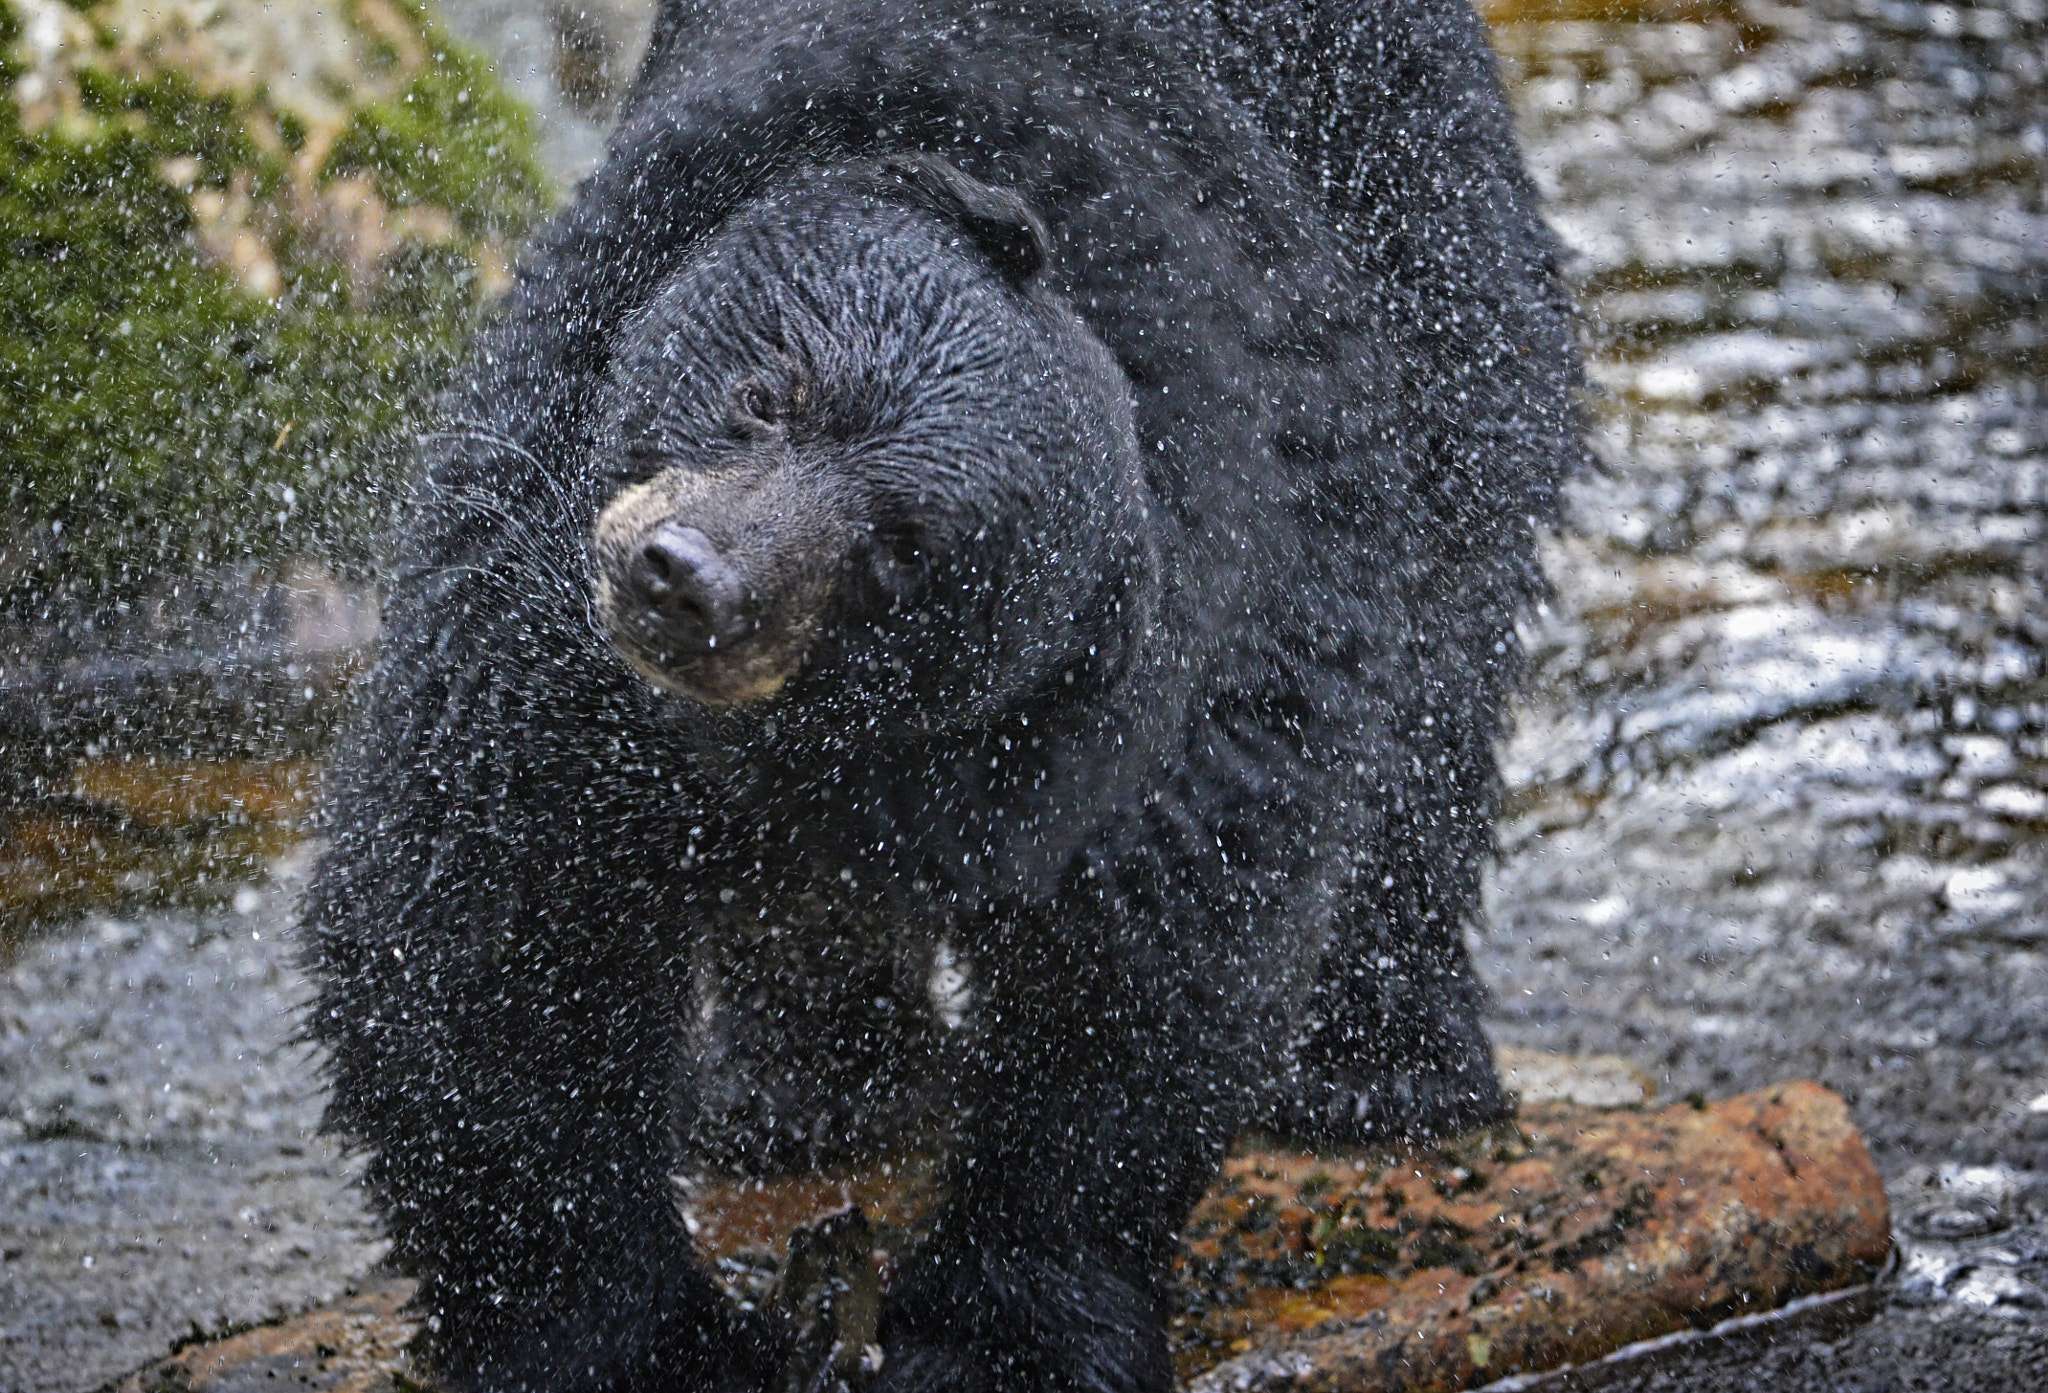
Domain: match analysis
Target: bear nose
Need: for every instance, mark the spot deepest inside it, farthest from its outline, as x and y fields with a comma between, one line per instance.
x=694, y=594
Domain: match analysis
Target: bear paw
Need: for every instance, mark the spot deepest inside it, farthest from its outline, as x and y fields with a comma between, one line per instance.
x=1019, y=1321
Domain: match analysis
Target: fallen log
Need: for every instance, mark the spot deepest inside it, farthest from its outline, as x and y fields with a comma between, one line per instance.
x=1556, y=1241
x=1589, y=1232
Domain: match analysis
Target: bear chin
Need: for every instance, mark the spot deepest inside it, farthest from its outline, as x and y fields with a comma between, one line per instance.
x=716, y=686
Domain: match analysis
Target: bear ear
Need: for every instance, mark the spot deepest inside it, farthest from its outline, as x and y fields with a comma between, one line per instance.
x=1006, y=228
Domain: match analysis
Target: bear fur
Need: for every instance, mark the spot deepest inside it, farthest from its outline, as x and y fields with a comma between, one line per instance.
x=1110, y=443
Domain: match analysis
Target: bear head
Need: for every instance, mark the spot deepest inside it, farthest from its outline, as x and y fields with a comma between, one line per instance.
x=857, y=450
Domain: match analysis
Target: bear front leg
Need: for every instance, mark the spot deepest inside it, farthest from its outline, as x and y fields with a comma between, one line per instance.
x=505, y=1044
x=1398, y=1051
x=1109, y=1080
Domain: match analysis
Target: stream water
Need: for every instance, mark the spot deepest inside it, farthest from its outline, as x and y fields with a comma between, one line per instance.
x=1780, y=789
x=1778, y=795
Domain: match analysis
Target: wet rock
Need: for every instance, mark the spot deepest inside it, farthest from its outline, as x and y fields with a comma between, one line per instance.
x=1555, y=1241
x=1607, y=1229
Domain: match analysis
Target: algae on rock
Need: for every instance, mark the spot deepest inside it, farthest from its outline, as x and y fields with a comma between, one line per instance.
x=244, y=245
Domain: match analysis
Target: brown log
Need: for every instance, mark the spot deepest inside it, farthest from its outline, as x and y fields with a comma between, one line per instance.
x=1600, y=1230
x=354, y=1345
x=1555, y=1241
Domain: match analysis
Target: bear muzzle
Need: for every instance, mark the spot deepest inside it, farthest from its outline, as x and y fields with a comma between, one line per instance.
x=705, y=600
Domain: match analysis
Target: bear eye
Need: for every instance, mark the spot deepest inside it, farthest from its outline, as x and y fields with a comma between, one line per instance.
x=756, y=407
x=903, y=543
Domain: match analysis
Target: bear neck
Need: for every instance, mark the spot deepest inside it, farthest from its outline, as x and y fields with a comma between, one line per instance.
x=1004, y=810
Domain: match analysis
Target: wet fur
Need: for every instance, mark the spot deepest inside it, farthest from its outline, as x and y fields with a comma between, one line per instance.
x=1206, y=815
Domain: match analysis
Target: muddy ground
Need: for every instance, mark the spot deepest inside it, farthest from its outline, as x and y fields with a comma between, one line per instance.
x=1779, y=796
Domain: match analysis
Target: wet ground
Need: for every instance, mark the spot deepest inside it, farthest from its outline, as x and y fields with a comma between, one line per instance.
x=1779, y=798
x=159, y=1175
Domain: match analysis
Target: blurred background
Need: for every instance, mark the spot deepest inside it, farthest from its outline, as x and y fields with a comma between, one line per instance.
x=1778, y=794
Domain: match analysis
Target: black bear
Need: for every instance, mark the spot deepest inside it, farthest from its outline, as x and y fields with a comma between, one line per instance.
x=1043, y=488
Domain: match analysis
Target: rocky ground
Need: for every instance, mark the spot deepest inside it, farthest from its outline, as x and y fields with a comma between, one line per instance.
x=1779, y=793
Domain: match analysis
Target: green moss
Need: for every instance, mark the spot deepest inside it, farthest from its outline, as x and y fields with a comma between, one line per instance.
x=451, y=138
x=1355, y=1247
x=190, y=370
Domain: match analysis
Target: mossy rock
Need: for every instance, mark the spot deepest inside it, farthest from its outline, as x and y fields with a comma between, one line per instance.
x=243, y=246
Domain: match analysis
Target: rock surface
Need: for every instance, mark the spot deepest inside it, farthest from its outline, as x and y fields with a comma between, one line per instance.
x=355, y=1345
x=1549, y=1243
